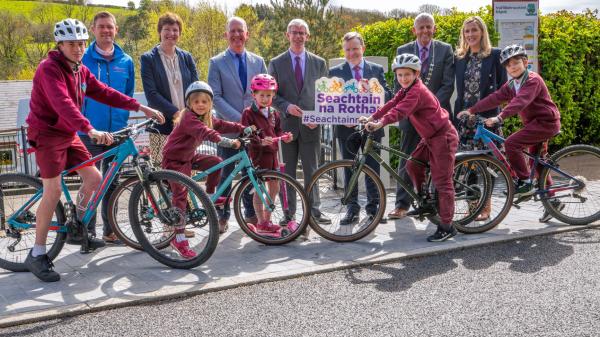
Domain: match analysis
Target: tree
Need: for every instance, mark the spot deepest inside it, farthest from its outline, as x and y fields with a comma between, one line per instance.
x=14, y=36
x=131, y=5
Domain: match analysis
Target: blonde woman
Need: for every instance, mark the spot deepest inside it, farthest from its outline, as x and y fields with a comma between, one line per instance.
x=478, y=74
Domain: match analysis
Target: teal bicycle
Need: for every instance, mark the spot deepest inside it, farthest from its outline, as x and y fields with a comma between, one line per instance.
x=288, y=205
x=20, y=196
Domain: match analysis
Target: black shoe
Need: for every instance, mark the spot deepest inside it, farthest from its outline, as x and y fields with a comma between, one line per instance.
x=41, y=266
x=285, y=220
x=524, y=190
x=421, y=211
x=321, y=220
x=93, y=244
x=442, y=235
x=349, y=219
x=559, y=206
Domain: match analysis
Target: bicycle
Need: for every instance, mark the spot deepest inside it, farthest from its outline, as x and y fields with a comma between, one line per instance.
x=20, y=195
x=563, y=192
x=292, y=221
x=335, y=198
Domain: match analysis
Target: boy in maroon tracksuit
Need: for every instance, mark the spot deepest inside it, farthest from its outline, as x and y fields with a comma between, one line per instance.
x=528, y=96
x=439, y=138
x=60, y=85
x=263, y=151
x=194, y=125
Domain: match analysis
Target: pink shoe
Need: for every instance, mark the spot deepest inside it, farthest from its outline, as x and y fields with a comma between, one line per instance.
x=268, y=227
x=292, y=226
x=183, y=248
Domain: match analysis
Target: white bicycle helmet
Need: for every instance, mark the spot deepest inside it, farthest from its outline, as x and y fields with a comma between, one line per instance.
x=511, y=51
x=70, y=30
x=407, y=61
x=198, y=86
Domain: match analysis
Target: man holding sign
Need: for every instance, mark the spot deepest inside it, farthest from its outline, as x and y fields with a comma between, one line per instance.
x=356, y=67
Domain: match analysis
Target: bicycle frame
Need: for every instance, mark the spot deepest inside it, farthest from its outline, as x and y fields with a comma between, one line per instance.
x=244, y=164
x=370, y=149
x=487, y=137
x=120, y=153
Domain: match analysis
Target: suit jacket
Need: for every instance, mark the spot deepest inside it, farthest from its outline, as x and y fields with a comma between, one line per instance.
x=156, y=83
x=371, y=70
x=442, y=78
x=493, y=76
x=229, y=98
x=281, y=68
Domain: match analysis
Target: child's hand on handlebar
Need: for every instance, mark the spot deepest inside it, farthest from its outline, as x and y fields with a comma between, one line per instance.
x=372, y=126
x=266, y=141
x=287, y=137
x=491, y=121
x=152, y=113
x=364, y=119
x=235, y=144
x=463, y=114
x=101, y=137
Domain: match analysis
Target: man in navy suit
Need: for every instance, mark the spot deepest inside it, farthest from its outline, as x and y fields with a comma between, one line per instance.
x=358, y=68
x=229, y=75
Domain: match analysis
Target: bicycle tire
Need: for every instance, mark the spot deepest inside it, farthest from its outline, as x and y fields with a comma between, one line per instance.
x=301, y=220
x=10, y=185
x=167, y=256
x=119, y=220
x=501, y=192
x=591, y=179
x=333, y=231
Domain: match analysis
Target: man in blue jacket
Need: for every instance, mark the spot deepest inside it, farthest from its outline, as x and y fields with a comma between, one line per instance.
x=107, y=61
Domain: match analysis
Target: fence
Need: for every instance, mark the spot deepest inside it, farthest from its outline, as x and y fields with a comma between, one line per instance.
x=15, y=157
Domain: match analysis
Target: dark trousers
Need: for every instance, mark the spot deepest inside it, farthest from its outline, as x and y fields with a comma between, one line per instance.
x=410, y=139
x=226, y=153
x=96, y=149
x=349, y=146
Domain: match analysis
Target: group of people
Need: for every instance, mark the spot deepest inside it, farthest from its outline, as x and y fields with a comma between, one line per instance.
x=245, y=95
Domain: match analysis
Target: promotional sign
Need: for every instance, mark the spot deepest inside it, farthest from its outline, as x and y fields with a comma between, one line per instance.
x=343, y=102
x=518, y=23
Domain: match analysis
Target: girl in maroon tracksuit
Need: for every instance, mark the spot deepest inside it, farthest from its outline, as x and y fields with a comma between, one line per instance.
x=528, y=96
x=439, y=138
x=263, y=151
x=194, y=125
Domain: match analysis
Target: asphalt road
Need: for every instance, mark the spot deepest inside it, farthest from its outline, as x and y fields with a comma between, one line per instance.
x=543, y=286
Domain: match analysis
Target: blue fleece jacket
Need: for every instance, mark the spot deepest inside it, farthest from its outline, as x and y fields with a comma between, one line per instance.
x=118, y=74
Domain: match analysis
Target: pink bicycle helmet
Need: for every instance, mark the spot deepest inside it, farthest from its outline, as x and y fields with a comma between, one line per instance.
x=263, y=82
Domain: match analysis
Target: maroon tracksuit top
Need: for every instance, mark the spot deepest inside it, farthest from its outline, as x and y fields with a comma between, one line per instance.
x=263, y=156
x=539, y=114
x=437, y=146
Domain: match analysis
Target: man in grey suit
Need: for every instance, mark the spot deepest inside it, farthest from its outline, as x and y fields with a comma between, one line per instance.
x=296, y=71
x=229, y=75
x=437, y=74
x=358, y=68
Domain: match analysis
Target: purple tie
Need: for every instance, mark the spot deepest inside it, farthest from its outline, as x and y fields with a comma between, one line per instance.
x=357, y=72
x=298, y=74
x=424, y=57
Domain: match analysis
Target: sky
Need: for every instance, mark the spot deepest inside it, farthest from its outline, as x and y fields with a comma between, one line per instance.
x=546, y=6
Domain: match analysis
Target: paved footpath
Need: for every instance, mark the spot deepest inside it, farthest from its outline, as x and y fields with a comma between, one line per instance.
x=116, y=276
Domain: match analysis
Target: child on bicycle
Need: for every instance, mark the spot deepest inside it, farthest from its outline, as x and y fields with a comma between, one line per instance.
x=194, y=124
x=263, y=151
x=528, y=96
x=60, y=84
x=439, y=137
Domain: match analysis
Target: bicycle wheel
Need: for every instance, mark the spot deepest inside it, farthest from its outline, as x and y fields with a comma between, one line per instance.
x=575, y=199
x=329, y=180
x=118, y=215
x=481, y=181
x=290, y=212
x=150, y=227
x=16, y=190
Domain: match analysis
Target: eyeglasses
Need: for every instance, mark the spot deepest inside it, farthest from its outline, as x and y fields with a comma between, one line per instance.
x=298, y=33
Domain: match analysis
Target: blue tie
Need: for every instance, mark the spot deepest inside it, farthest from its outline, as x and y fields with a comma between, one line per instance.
x=242, y=71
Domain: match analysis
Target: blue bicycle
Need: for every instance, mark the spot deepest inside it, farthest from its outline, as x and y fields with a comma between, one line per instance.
x=20, y=195
x=567, y=182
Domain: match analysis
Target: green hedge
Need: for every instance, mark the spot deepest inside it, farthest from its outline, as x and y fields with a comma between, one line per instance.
x=569, y=45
